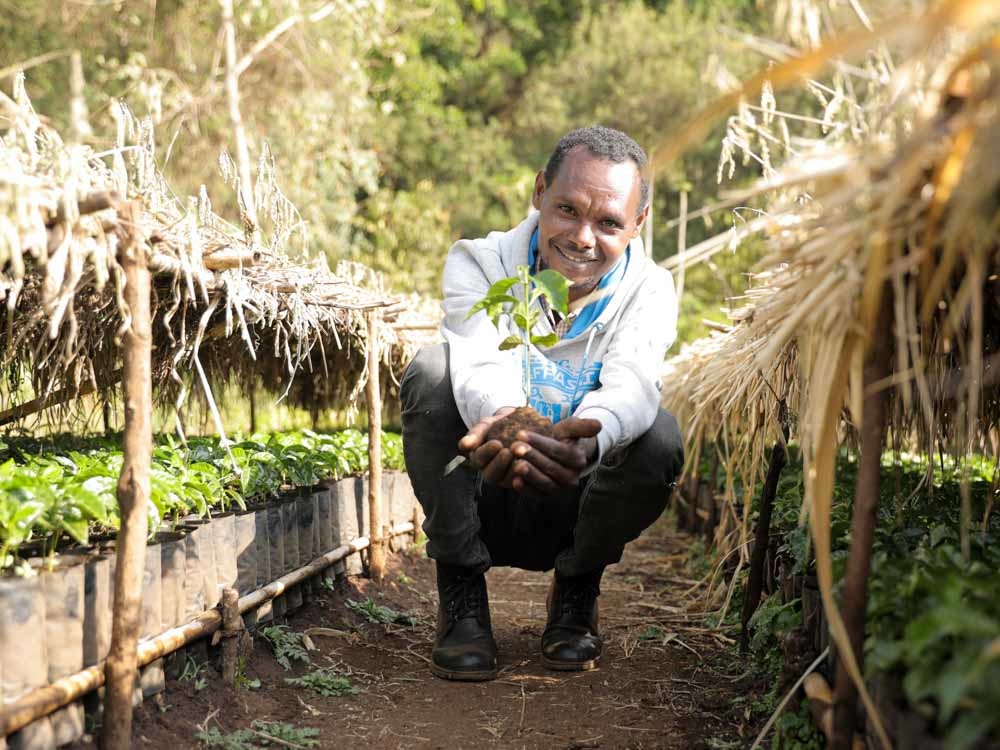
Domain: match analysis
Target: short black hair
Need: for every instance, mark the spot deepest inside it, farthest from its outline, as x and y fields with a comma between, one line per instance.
x=605, y=143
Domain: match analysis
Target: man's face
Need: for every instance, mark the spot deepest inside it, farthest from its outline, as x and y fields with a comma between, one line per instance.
x=587, y=217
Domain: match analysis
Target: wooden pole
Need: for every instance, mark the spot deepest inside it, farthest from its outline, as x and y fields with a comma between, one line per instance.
x=373, y=399
x=232, y=624
x=133, y=491
x=866, y=492
x=762, y=535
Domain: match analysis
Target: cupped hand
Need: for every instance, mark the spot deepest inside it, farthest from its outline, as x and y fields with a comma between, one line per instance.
x=548, y=465
x=491, y=457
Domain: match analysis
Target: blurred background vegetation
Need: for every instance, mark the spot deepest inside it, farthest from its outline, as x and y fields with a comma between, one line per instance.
x=398, y=127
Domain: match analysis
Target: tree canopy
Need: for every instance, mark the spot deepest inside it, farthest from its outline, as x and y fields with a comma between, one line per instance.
x=397, y=128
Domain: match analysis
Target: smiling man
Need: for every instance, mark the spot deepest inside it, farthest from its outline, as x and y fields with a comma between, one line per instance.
x=573, y=501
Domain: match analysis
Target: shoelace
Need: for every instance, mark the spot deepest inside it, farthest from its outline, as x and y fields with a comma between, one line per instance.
x=464, y=604
x=579, y=597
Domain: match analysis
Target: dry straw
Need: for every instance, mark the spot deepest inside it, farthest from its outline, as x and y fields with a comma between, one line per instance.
x=230, y=305
x=898, y=195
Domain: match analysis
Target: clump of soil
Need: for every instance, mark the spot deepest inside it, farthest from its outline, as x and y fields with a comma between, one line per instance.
x=522, y=418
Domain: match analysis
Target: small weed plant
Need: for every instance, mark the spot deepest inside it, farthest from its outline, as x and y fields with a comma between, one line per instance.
x=324, y=682
x=379, y=614
x=288, y=645
x=262, y=734
x=194, y=673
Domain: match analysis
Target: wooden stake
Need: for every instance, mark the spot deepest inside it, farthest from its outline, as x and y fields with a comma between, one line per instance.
x=232, y=625
x=133, y=491
x=762, y=535
x=373, y=399
x=873, y=426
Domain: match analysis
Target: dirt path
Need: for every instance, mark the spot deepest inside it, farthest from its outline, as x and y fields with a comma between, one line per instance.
x=664, y=682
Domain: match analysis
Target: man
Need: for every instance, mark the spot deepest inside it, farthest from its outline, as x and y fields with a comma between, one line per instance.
x=574, y=500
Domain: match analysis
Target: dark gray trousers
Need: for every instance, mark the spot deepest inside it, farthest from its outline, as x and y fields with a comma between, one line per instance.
x=475, y=524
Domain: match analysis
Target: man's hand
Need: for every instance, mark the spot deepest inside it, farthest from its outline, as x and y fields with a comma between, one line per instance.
x=548, y=465
x=491, y=458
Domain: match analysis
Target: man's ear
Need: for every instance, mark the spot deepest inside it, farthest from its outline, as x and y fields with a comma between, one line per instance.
x=536, y=194
x=641, y=221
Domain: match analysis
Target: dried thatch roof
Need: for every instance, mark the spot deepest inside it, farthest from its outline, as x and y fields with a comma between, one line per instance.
x=899, y=201
x=229, y=304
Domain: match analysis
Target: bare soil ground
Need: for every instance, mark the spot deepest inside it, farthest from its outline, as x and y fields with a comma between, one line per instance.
x=665, y=681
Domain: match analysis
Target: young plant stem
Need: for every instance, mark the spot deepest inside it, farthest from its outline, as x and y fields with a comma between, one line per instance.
x=526, y=341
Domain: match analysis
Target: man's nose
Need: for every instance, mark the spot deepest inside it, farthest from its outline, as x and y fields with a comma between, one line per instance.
x=584, y=235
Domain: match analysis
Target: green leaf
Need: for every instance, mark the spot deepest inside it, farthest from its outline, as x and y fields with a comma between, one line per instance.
x=502, y=287
x=523, y=323
x=76, y=528
x=555, y=287
x=549, y=339
x=511, y=342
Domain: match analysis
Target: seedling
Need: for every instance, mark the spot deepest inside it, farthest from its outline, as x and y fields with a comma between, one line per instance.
x=376, y=613
x=193, y=673
x=288, y=646
x=523, y=314
x=242, y=680
x=324, y=683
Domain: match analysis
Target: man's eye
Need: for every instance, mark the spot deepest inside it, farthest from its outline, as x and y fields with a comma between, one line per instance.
x=565, y=208
x=611, y=224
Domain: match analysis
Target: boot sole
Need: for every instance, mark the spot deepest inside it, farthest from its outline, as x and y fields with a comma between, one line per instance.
x=571, y=666
x=464, y=676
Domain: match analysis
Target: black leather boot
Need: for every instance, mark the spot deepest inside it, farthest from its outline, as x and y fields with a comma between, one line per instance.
x=571, y=642
x=464, y=648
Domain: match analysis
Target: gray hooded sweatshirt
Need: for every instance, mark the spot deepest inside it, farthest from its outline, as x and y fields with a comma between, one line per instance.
x=609, y=372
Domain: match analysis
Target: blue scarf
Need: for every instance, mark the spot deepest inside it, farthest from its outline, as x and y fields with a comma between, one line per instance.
x=605, y=289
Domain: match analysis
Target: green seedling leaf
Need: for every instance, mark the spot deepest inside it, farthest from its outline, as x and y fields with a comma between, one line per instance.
x=511, y=342
x=548, y=339
x=555, y=287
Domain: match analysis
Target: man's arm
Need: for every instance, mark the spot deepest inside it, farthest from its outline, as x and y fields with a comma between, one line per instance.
x=629, y=396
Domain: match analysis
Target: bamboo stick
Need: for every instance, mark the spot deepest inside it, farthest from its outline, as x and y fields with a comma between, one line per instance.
x=133, y=493
x=873, y=427
x=45, y=700
x=373, y=397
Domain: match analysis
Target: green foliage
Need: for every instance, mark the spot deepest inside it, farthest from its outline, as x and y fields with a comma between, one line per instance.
x=795, y=730
x=243, y=681
x=380, y=614
x=64, y=487
x=194, y=673
x=522, y=312
x=324, y=682
x=288, y=645
x=933, y=617
x=265, y=734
